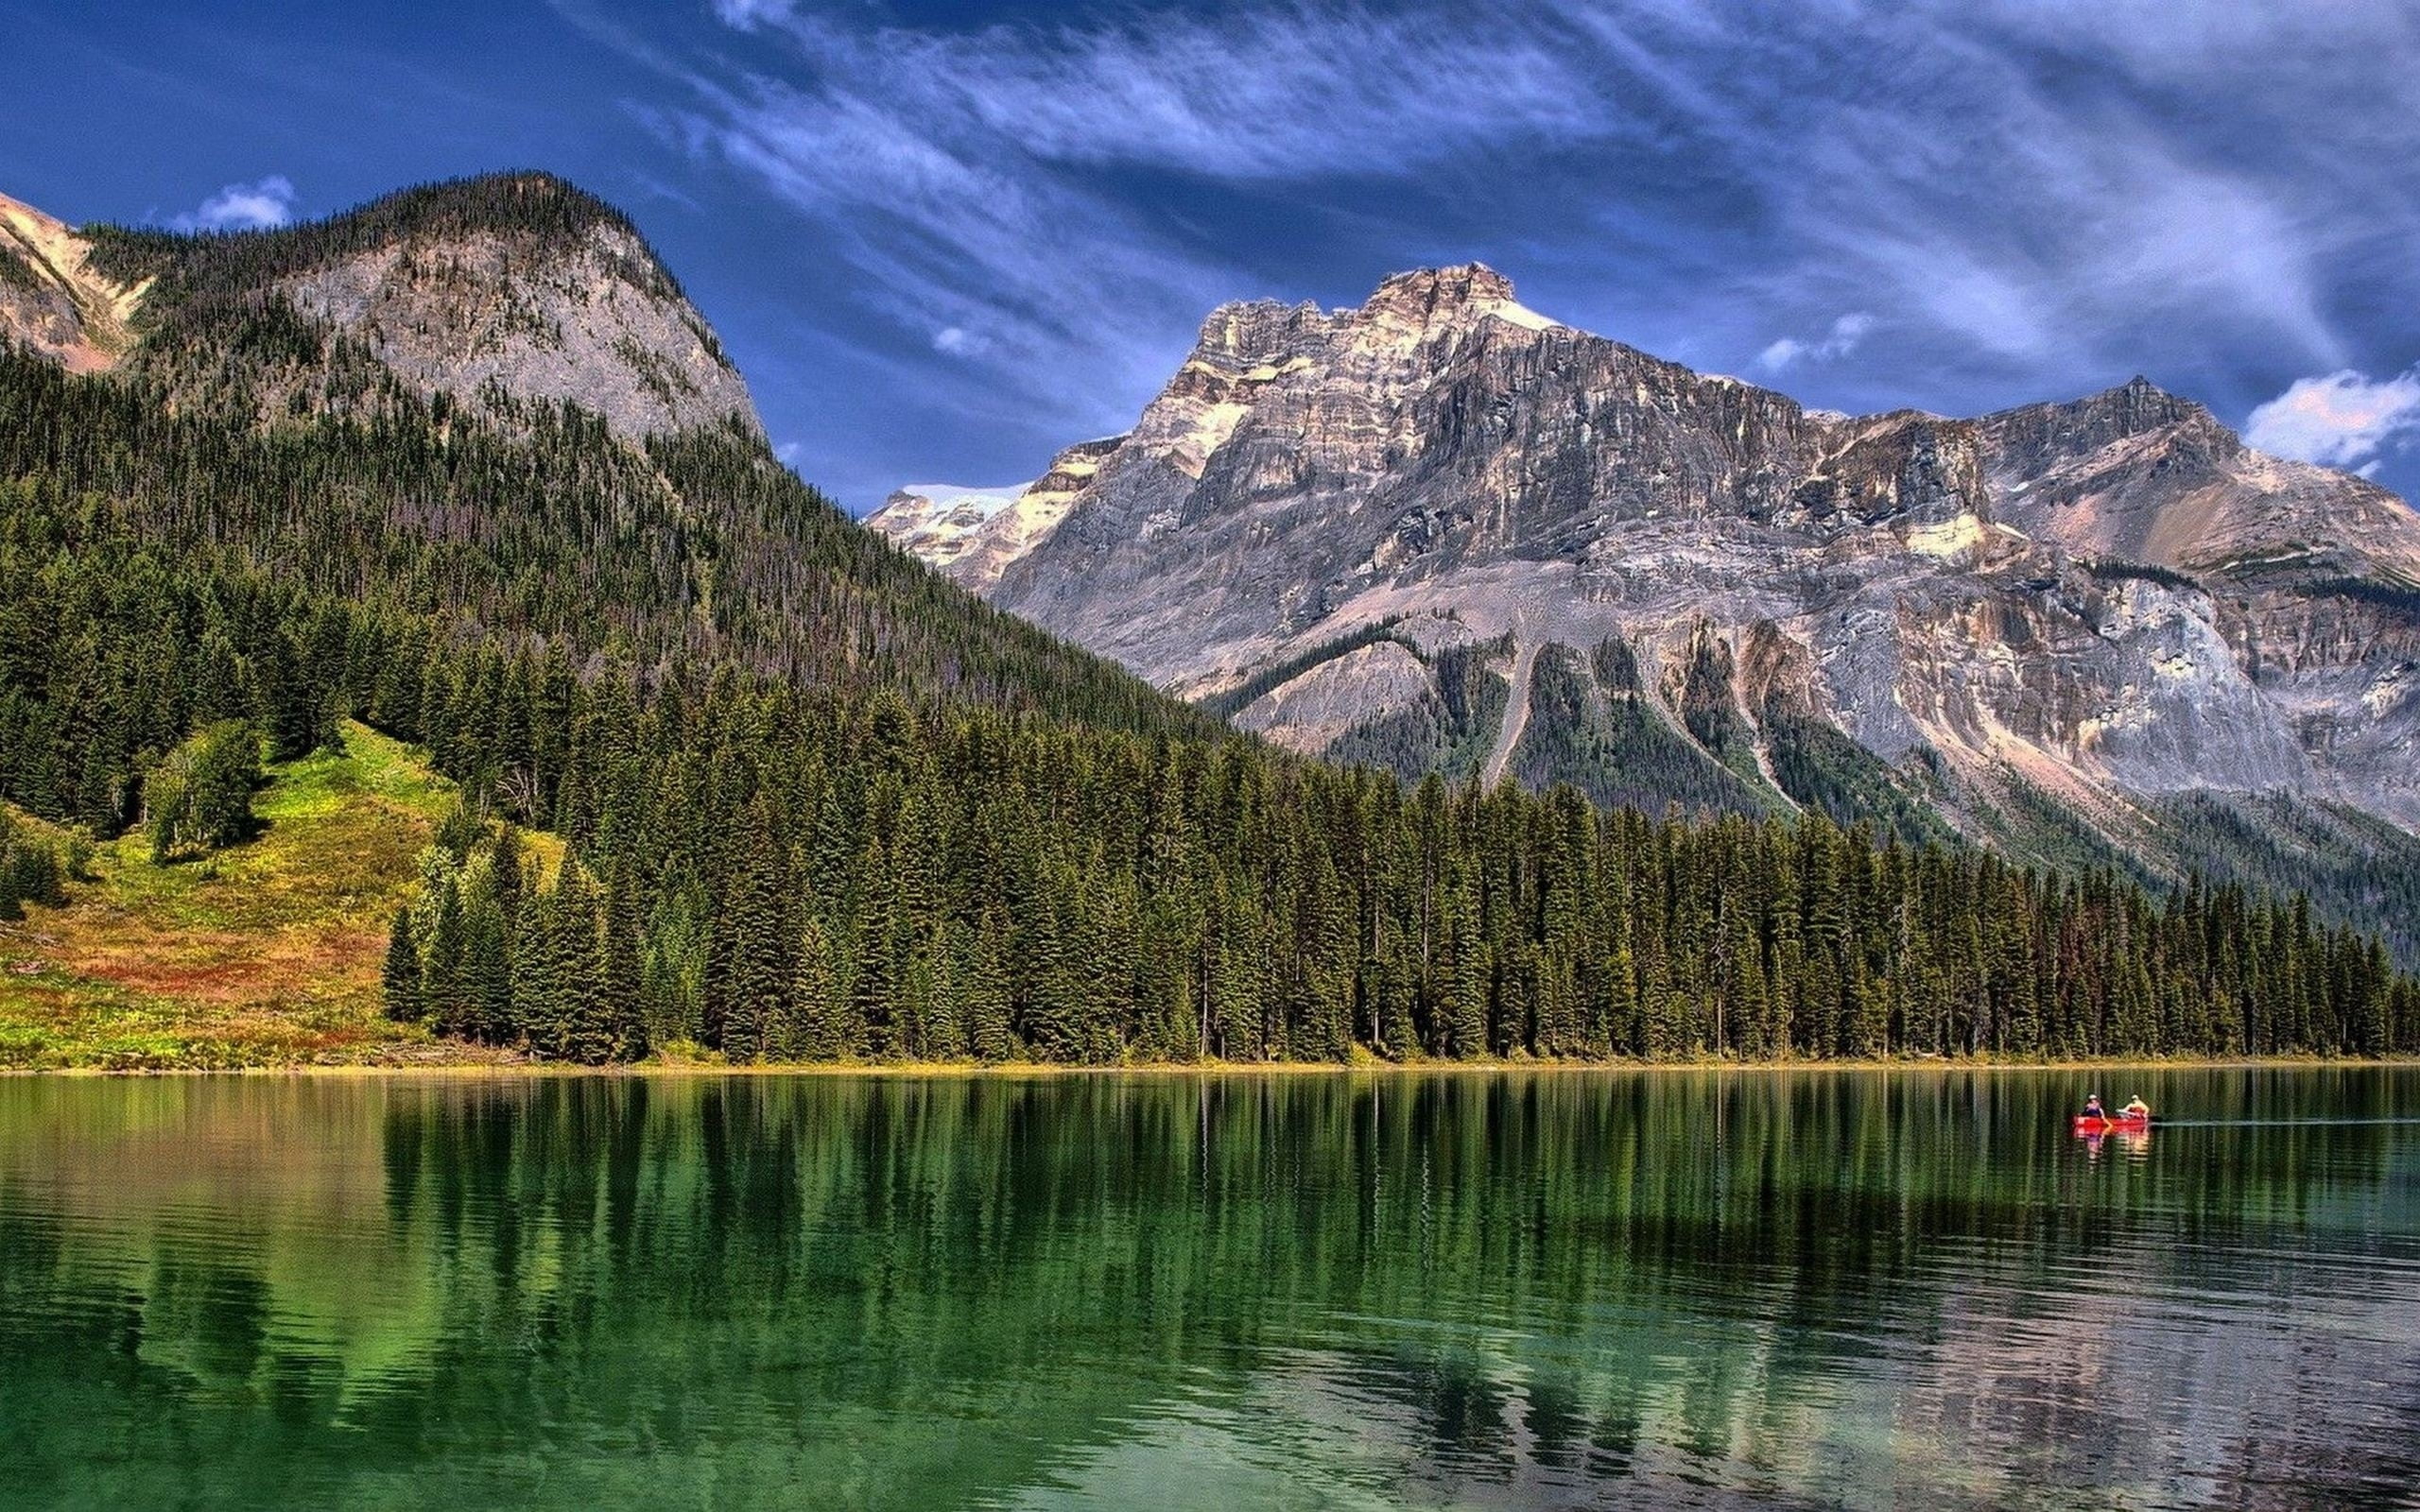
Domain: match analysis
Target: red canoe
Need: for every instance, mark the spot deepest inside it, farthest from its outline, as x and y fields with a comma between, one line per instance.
x=2086, y=1124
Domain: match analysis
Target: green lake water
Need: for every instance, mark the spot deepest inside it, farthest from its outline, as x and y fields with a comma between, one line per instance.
x=1549, y=1289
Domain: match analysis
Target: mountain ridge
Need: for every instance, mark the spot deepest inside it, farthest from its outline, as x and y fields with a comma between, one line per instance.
x=2103, y=604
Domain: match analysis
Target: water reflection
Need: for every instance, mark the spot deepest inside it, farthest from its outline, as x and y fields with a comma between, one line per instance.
x=2135, y=1143
x=1521, y=1290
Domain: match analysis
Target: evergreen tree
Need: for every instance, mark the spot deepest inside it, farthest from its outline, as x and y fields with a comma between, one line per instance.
x=400, y=978
x=986, y=992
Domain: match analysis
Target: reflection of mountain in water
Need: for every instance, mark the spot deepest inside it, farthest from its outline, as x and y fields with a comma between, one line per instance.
x=1525, y=1290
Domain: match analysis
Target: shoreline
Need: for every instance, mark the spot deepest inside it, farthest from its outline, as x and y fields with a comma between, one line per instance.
x=1034, y=1071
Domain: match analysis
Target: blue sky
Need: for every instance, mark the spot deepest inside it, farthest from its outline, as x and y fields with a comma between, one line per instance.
x=944, y=241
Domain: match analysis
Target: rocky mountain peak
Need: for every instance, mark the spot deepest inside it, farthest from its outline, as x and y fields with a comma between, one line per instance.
x=1430, y=291
x=1430, y=297
x=1438, y=533
x=2139, y=405
x=2034, y=437
x=523, y=281
x=518, y=287
x=2138, y=475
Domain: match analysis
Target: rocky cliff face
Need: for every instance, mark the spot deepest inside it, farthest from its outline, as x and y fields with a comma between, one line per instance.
x=592, y=322
x=513, y=287
x=52, y=301
x=1442, y=532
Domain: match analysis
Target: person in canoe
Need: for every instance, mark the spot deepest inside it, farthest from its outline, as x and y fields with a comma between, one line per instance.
x=2092, y=1108
x=2135, y=1108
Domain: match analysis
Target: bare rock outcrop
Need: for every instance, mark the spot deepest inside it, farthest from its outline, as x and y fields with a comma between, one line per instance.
x=592, y=322
x=53, y=301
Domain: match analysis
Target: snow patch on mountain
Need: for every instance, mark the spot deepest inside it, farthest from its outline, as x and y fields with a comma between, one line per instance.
x=940, y=522
x=972, y=534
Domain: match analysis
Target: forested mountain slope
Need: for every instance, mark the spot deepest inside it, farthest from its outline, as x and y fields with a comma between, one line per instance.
x=819, y=802
x=320, y=449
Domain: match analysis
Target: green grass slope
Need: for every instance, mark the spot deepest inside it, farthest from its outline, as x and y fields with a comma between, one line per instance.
x=267, y=953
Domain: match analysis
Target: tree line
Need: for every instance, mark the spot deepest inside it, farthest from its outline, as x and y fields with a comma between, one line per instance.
x=785, y=877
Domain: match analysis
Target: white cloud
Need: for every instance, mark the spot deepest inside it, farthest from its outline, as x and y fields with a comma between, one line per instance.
x=259, y=206
x=749, y=14
x=2342, y=419
x=1839, y=342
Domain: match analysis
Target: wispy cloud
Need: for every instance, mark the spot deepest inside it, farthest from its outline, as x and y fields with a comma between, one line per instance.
x=2341, y=419
x=749, y=14
x=1289, y=93
x=983, y=182
x=1837, y=342
x=2023, y=187
x=2032, y=195
x=258, y=206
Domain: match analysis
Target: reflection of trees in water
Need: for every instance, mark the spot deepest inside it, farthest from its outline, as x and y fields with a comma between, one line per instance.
x=920, y=1291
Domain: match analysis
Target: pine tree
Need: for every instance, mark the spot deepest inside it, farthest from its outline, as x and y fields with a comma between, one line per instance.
x=400, y=978
x=589, y=1036
x=749, y=995
x=986, y=979
x=1466, y=973
x=446, y=997
x=487, y=984
x=822, y=1029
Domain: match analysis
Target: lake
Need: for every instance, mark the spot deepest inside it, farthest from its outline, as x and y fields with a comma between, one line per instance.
x=1514, y=1290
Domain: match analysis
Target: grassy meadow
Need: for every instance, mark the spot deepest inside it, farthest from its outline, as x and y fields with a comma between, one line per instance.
x=264, y=954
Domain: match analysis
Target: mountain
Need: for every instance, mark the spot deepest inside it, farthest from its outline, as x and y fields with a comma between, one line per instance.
x=485, y=401
x=972, y=534
x=1442, y=532
x=457, y=487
